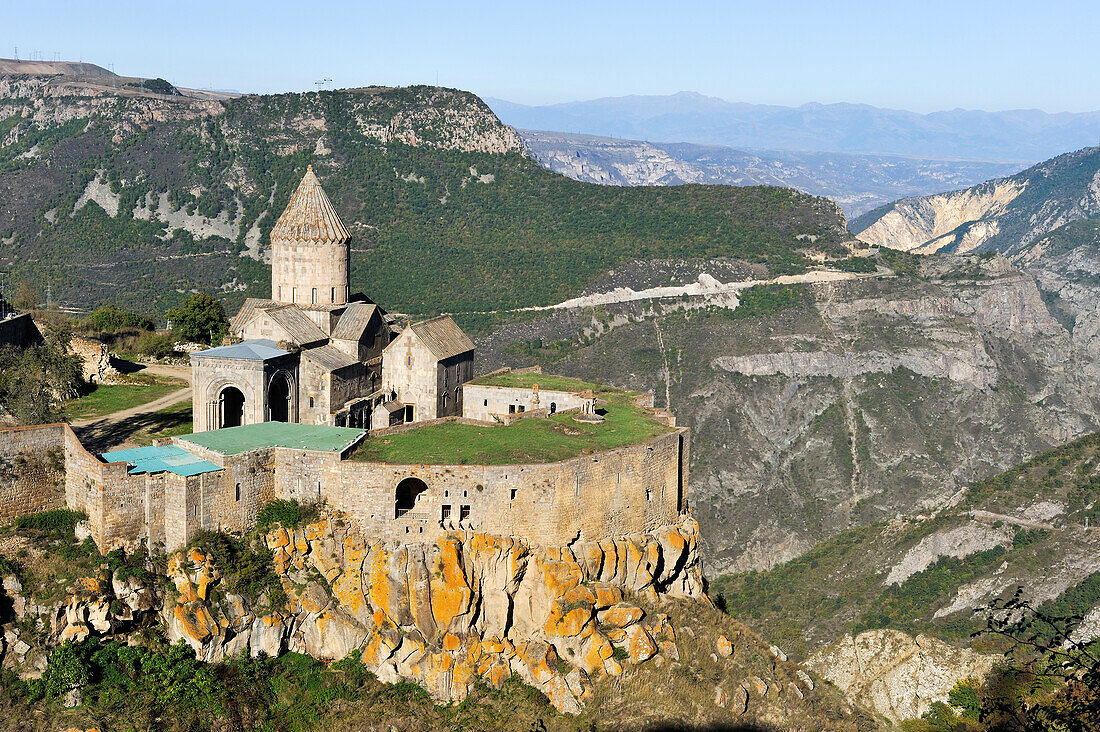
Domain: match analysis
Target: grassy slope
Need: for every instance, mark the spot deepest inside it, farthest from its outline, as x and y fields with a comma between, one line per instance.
x=838, y=586
x=535, y=236
x=531, y=440
x=110, y=398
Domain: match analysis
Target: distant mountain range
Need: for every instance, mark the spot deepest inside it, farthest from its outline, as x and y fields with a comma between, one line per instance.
x=1014, y=135
x=858, y=183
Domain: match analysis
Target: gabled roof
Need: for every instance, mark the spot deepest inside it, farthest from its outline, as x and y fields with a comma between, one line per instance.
x=251, y=306
x=309, y=215
x=354, y=321
x=297, y=325
x=330, y=358
x=259, y=349
x=442, y=336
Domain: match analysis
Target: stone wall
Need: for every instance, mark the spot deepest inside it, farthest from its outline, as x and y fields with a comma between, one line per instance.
x=32, y=470
x=19, y=331
x=118, y=504
x=488, y=402
x=623, y=491
x=411, y=370
x=98, y=366
x=298, y=268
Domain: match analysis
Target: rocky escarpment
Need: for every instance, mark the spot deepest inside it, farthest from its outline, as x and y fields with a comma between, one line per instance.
x=1006, y=214
x=895, y=674
x=449, y=613
x=615, y=631
x=829, y=412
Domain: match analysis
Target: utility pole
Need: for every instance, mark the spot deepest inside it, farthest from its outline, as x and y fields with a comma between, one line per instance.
x=321, y=82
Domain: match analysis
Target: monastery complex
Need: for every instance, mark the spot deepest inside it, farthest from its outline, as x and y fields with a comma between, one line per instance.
x=314, y=385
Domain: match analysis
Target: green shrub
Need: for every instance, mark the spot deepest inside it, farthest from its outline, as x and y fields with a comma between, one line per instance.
x=965, y=696
x=157, y=345
x=246, y=563
x=59, y=523
x=288, y=514
x=110, y=319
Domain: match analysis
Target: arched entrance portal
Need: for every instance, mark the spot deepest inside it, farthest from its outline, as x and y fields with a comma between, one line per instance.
x=230, y=407
x=279, y=398
x=405, y=495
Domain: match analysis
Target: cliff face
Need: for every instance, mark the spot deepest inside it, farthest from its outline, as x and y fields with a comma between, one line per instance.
x=449, y=613
x=617, y=633
x=895, y=674
x=1009, y=214
x=831, y=412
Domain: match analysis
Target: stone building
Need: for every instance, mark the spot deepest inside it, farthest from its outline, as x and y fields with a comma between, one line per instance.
x=424, y=369
x=315, y=353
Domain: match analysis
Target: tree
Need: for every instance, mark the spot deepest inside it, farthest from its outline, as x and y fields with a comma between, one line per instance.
x=25, y=296
x=35, y=380
x=1056, y=684
x=201, y=319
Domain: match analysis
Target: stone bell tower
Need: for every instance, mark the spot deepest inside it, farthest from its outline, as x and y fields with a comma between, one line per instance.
x=309, y=249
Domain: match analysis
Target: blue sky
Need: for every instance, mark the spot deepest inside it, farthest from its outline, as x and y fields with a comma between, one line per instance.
x=922, y=56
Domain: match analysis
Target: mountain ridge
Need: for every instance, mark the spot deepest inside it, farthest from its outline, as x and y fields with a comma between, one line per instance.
x=858, y=182
x=1004, y=136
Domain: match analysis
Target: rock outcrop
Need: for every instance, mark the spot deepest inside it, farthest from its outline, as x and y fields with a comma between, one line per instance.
x=895, y=674
x=445, y=614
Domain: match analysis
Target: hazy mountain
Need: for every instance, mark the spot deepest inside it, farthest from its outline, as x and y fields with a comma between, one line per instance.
x=857, y=182
x=1012, y=135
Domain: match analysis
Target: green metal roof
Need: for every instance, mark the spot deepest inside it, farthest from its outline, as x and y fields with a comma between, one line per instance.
x=159, y=459
x=235, y=440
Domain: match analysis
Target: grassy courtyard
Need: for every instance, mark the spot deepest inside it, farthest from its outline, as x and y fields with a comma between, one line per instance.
x=110, y=398
x=531, y=440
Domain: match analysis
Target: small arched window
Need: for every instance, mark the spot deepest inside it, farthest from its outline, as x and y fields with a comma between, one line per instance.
x=238, y=497
x=311, y=402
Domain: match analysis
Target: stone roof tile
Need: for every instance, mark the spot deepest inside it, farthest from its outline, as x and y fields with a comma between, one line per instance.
x=443, y=337
x=310, y=216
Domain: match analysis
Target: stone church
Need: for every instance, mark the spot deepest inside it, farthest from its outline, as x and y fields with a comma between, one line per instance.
x=317, y=354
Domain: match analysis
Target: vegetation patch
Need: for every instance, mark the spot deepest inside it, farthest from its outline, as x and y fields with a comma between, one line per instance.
x=107, y=399
x=530, y=440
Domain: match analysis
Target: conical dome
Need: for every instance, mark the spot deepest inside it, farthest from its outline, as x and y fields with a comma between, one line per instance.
x=309, y=216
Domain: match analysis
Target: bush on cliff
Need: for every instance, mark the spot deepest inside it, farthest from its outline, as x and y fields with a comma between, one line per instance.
x=246, y=564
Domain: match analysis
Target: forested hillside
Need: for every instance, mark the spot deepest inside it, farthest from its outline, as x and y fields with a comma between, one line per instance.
x=137, y=198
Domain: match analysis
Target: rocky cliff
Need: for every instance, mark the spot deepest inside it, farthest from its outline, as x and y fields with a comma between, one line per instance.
x=895, y=674
x=615, y=632
x=1007, y=214
x=824, y=406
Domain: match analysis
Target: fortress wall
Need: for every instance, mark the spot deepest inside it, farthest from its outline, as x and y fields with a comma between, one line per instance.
x=116, y=502
x=228, y=500
x=32, y=470
x=226, y=508
x=623, y=491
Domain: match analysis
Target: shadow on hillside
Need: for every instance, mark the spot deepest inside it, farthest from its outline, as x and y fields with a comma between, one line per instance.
x=102, y=435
